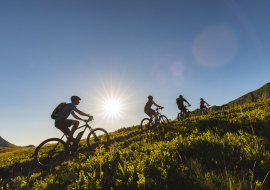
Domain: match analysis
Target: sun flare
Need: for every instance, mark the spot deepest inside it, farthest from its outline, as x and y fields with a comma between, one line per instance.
x=112, y=107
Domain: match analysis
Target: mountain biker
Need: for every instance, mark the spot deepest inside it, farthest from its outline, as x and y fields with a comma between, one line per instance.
x=63, y=124
x=180, y=104
x=202, y=106
x=147, y=108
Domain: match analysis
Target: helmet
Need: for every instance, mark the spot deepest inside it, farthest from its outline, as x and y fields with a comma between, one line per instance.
x=150, y=97
x=180, y=96
x=201, y=98
x=73, y=98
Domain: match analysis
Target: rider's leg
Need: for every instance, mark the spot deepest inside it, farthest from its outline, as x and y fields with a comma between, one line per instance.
x=151, y=117
x=184, y=112
x=156, y=118
x=75, y=124
x=201, y=108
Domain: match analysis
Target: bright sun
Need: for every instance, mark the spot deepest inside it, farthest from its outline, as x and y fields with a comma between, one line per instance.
x=112, y=108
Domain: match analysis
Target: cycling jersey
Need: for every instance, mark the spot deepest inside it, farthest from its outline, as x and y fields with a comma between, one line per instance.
x=202, y=103
x=180, y=102
x=148, y=105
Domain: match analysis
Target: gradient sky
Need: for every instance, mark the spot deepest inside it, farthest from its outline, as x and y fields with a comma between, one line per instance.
x=51, y=50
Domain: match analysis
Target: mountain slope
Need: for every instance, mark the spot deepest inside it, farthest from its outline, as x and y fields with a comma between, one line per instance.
x=223, y=150
x=4, y=143
x=258, y=95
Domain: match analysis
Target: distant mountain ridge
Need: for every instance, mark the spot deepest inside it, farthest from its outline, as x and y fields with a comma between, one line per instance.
x=260, y=94
x=4, y=143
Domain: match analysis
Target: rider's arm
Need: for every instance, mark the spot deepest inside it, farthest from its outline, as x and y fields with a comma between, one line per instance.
x=80, y=112
x=207, y=103
x=157, y=105
x=75, y=116
x=186, y=101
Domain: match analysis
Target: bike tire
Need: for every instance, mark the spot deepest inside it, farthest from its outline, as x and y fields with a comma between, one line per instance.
x=147, y=123
x=163, y=121
x=180, y=117
x=44, y=152
x=102, y=137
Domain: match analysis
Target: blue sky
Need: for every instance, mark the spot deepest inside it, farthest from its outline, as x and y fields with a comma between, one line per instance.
x=51, y=50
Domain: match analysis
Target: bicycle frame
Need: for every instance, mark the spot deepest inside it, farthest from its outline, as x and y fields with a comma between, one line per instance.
x=204, y=110
x=86, y=126
x=187, y=112
x=158, y=114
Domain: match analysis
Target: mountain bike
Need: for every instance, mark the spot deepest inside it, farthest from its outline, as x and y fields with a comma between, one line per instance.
x=181, y=115
x=204, y=111
x=53, y=151
x=149, y=124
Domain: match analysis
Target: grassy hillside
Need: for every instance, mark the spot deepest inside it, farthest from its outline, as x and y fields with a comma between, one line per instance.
x=258, y=95
x=4, y=143
x=224, y=150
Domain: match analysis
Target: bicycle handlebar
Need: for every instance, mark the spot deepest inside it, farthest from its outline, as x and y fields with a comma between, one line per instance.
x=89, y=119
x=159, y=108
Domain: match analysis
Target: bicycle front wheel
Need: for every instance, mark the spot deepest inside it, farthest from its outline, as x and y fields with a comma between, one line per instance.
x=147, y=123
x=50, y=152
x=98, y=138
x=181, y=116
x=164, y=122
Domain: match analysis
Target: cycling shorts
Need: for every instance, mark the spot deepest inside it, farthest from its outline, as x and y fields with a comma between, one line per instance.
x=201, y=107
x=182, y=108
x=149, y=112
x=63, y=125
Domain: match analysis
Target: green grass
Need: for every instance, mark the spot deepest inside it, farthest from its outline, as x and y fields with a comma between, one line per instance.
x=7, y=150
x=223, y=150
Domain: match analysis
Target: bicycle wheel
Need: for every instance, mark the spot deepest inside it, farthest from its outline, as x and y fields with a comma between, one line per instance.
x=50, y=152
x=164, y=122
x=147, y=123
x=180, y=116
x=98, y=138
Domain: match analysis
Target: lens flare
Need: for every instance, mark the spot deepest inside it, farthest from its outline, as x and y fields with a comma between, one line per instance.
x=177, y=68
x=214, y=46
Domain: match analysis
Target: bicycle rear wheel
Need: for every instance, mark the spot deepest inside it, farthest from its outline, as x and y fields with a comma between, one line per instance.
x=50, y=152
x=147, y=123
x=98, y=138
x=164, y=122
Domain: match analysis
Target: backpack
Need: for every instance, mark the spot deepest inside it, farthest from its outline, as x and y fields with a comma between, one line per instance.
x=57, y=110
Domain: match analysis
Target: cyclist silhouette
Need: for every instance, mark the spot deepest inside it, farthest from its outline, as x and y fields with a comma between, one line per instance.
x=202, y=106
x=63, y=124
x=147, y=108
x=180, y=103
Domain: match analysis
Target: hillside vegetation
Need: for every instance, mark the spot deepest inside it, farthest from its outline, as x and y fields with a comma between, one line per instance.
x=261, y=94
x=224, y=150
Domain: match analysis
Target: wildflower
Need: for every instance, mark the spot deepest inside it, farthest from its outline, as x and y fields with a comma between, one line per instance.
x=258, y=183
